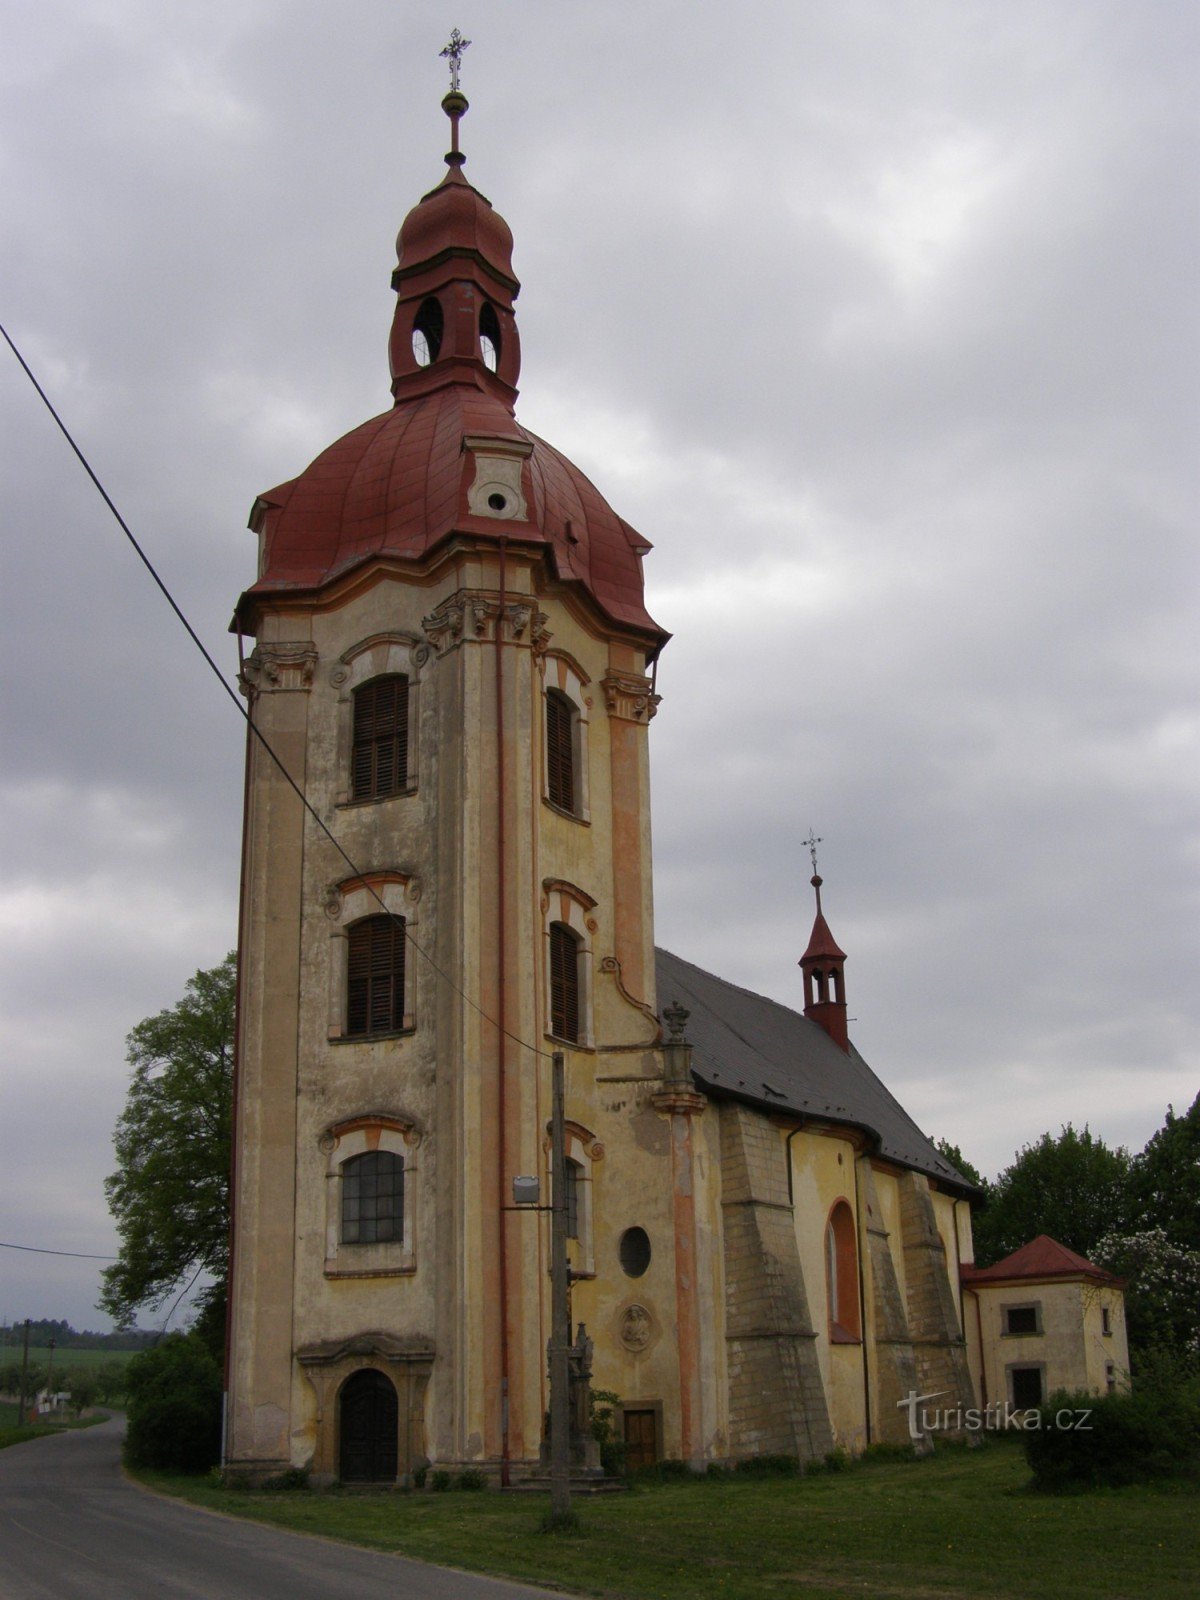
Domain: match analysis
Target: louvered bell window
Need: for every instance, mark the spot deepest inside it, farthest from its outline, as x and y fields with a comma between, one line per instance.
x=380, y=762
x=373, y=1198
x=560, y=750
x=375, y=990
x=564, y=983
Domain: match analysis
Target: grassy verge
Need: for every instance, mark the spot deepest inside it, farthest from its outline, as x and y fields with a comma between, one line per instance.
x=10, y=1434
x=959, y=1525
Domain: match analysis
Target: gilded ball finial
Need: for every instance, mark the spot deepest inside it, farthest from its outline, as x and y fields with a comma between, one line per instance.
x=455, y=103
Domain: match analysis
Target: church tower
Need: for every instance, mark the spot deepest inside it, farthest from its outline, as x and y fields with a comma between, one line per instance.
x=454, y=663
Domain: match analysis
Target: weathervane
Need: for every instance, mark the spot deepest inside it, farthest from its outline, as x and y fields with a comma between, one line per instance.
x=454, y=54
x=812, y=842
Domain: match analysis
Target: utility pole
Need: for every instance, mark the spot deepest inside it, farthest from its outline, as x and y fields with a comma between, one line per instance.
x=560, y=1321
x=24, y=1371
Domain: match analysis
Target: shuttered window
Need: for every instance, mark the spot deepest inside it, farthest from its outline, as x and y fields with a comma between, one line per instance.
x=375, y=990
x=373, y=1198
x=560, y=750
x=380, y=761
x=564, y=983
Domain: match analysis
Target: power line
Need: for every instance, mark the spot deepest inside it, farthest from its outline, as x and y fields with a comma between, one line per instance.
x=244, y=713
x=36, y=1250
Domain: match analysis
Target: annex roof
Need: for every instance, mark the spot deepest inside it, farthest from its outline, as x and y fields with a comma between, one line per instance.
x=747, y=1047
x=1042, y=1257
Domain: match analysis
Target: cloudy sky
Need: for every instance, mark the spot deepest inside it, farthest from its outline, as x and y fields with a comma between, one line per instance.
x=877, y=318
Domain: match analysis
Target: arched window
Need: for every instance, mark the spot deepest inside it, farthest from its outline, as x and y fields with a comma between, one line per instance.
x=375, y=977
x=562, y=786
x=841, y=1276
x=373, y=1198
x=380, y=760
x=489, y=336
x=429, y=325
x=574, y=1177
x=564, y=983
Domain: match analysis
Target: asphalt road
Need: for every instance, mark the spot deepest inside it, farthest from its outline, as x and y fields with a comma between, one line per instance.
x=72, y=1528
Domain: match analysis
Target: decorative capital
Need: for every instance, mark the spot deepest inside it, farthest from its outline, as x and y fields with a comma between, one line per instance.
x=473, y=615
x=280, y=668
x=627, y=694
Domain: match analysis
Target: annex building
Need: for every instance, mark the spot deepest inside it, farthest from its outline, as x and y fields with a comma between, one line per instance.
x=453, y=659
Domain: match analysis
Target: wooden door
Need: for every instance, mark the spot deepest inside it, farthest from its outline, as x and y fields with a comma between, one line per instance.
x=369, y=1429
x=641, y=1438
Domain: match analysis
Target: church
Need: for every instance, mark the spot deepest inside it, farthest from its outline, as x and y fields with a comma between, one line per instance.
x=454, y=663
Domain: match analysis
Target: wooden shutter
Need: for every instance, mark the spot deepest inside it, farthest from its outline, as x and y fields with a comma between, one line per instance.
x=560, y=750
x=380, y=759
x=564, y=983
x=375, y=977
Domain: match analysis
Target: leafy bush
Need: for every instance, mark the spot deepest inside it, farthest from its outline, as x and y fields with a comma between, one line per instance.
x=440, y=1481
x=612, y=1446
x=1123, y=1439
x=174, y=1395
x=472, y=1478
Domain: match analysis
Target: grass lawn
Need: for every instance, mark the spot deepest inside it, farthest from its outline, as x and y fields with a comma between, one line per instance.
x=66, y=1358
x=961, y=1524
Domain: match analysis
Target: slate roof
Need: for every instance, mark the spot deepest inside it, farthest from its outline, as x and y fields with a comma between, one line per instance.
x=747, y=1047
x=1042, y=1257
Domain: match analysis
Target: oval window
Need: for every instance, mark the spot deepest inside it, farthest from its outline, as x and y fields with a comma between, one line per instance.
x=634, y=1250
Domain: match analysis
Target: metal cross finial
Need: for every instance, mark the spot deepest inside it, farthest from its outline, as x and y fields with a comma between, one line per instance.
x=454, y=54
x=812, y=842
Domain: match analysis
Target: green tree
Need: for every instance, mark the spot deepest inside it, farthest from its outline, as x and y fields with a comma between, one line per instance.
x=960, y=1163
x=82, y=1389
x=174, y=1412
x=110, y=1382
x=1166, y=1179
x=1074, y=1188
x=170, y=1192
x=1162, y=1295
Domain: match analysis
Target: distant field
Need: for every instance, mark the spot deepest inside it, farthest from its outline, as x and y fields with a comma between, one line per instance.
x=64, y=1357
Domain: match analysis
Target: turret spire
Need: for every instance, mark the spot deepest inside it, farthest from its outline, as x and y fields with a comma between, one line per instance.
x=823, y=965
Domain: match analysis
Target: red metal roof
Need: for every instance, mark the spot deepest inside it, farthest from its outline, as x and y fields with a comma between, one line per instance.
x=1042, y=1257
x=397, y=486
x=822, y=946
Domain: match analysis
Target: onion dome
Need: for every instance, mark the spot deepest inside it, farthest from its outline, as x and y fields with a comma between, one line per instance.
x=449, y=457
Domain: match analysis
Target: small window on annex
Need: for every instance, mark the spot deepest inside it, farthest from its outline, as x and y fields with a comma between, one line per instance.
x=375, y=977
x=380, y=758
x=564, y=983
x=1026, y=1384
x=373, y=1198
x=841, y=1276
x=1022, y=1319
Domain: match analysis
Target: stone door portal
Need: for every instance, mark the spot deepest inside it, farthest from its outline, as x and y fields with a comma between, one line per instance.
x=367, y=1450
